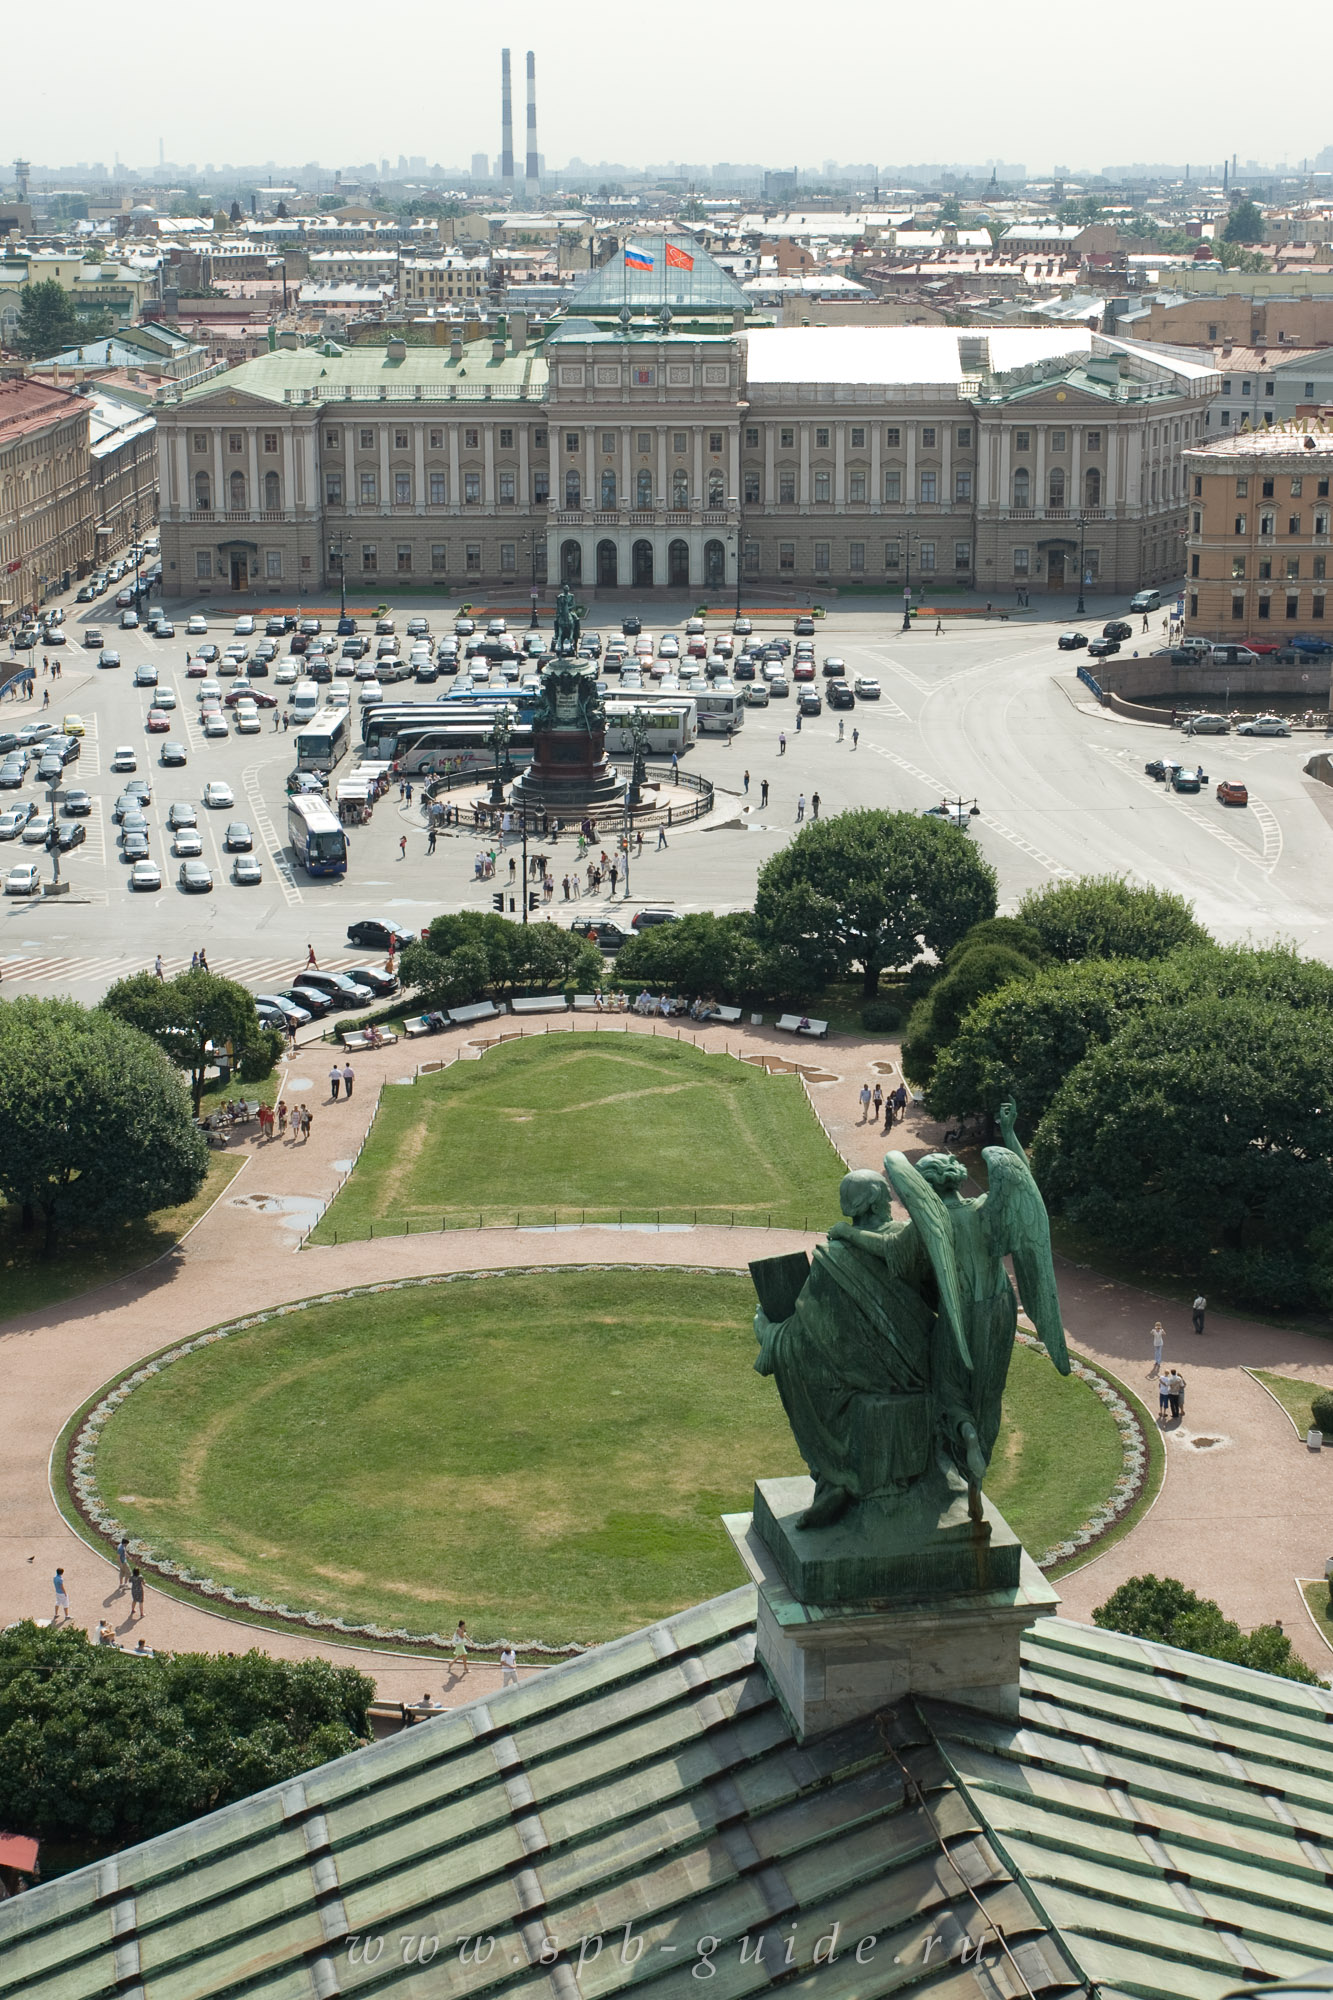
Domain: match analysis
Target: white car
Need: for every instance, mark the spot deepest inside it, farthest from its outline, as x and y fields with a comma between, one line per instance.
x=209, y=691
x=215, y=723
x=187, y=843
x=247, y=722
x=1264, y=725
x=38, y=830
x=866, y=688
x=669, y=648
x=164, y=698
x=218, y=794
x=196, y=625
x=124, y=759
x=23, y=880
x=244, y=626
x=286, y=675
x=247, y=869
x=338, y=698
x=369, y=692
x=145, y=875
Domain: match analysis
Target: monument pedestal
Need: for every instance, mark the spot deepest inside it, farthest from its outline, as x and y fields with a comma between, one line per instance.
x=852, y=1619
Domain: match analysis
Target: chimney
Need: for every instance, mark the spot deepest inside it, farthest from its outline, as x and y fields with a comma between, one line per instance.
x=397, y=350
x=506, y=124
x=288, y=339
x=498, y=349
x=531, y=180
x=518, y=331
x=456, y=347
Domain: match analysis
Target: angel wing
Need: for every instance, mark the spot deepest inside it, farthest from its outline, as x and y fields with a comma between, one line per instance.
x=1017, y=1223
x=931, y=1219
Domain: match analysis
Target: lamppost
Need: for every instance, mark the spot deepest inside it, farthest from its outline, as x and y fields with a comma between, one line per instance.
x=907, y=587
x=737, y=535
x=1080, y=609
x=497, y=738
x=533, y=624
x=342, y=578
x=637, y=726
x=138, y=558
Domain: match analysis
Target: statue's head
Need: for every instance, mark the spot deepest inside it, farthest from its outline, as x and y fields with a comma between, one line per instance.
x=944, y=1172
x=864, y=1196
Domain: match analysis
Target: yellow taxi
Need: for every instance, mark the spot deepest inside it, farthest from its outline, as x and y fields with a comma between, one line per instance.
x=73, y=725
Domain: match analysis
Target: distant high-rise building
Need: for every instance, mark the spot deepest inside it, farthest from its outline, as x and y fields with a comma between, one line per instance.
x=481, y=167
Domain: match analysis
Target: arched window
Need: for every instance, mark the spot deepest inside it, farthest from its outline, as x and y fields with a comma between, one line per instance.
x=1022, y=487
x=717, y=491
x=272, y=492
x=642, y=559
x=1092, y=487
x=608, y=489
x=236, y=488
x=644, y=490
x=203, y=491
x=678, y=565
x=573, y=493
x=680, y=490
x=1057, y=487
x=715, y=564
x=608, y=566
x=571, y=560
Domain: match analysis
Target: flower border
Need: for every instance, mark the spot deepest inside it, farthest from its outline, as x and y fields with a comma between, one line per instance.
x=81, y=1481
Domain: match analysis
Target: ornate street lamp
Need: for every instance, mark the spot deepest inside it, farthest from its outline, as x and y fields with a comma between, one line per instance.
x=497, y=738
x=637, y=725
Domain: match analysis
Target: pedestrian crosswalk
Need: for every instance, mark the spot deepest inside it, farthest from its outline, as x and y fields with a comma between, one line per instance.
x=64, y=971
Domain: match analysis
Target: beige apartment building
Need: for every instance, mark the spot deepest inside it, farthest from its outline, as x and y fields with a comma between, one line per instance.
x=47, y=496
x=1260, y=541
x=655, y=437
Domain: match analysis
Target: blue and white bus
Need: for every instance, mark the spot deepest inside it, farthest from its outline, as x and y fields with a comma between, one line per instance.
x=323, y=741
x=319, y=843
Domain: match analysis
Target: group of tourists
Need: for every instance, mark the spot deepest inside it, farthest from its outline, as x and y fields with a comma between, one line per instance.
x=873, y=1101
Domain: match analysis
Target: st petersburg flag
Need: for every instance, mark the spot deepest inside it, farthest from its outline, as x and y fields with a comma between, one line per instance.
x=681, y=260
x=638, y=260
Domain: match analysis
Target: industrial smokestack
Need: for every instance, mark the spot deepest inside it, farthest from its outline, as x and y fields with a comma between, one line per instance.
x=531, y=180
x=506, y=124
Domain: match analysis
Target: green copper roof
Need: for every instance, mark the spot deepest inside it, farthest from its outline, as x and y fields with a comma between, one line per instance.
x=1155, y=1823
x=366, y=373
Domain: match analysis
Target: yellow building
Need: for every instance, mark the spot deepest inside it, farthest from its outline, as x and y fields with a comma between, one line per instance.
x=1259, y=540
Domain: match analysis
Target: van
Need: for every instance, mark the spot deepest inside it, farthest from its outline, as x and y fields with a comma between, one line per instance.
x=304, y=701
x=1146, y=600
x=1234, y=656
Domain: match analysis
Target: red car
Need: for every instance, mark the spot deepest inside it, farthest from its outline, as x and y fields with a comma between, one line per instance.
x=804, y=670
x=259, y=696
x=1262, y=646
x=1231, y=794
x=158, y=721
x=197, y=670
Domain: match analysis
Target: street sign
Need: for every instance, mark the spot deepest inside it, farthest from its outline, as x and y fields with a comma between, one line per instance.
x=907, y=591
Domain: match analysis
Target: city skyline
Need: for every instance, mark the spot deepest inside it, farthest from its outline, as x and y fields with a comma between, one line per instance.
x=869, y=90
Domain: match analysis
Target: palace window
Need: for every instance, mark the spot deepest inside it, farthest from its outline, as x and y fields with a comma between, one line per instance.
x=439, y=489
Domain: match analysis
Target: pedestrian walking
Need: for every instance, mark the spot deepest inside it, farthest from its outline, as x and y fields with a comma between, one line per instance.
x=1163, y=1398
x=856, y=738
x=460, y=1646
x=431, y=838
x=203, y=959
x=123, y=1559
x=1200, y=1308
x=306, y=1122
x=865, y=1102
x=1158, y=1343
x=661, y=838
x=402, y=847
x=282, y=1117
x=800, y=808
x=61, y=1596
x=798, y=721
x=508, y=1666
x=311, y=962
x=136, y=1594
x=46, y=697
x=157, y=967
x=615, y=872
x=939, y=627
x=782, y=743
x=349, y=1078
x=897, y=1106
x=512, y=867
x=814, y=804
x=335, y=1082
x=675, y=766
x=1176, y=1392
x=266, y=1121
x=745, y=781
x=763, y=791
x=877, y=1101
x=841, y=726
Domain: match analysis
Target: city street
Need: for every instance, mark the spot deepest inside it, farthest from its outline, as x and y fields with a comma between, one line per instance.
x=991, y=711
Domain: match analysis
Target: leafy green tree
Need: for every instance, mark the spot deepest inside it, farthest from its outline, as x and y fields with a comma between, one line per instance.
x=1011, y=932
x=935, y=1021
x=445, y=979
x=48, y=320
x=702, y=954
x=515, y=955
x=1196, y=1125
x=94, y=1123
x=1103, y=916
x=94, y=1745
x=193, y=1018
x=869, y=890
x=1162, y=1609
x=951, y=209
x=1245, y=224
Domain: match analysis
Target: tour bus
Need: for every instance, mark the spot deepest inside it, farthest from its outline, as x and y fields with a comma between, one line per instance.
x=317, y=838
x=721, y=708
x=671, y=724
x=323, y=742
x=435, y=749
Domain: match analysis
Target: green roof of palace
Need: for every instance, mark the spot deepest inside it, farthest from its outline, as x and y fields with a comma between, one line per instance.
x=1154, y=1824
x=368, y=372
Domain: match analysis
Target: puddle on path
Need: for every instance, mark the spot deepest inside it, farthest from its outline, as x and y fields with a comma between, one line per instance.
x=294, y=1211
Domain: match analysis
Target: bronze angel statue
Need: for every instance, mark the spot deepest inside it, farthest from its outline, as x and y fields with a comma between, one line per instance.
x=892, y=1366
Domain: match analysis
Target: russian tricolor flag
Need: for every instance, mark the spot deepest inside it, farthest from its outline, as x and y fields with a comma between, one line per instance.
x=639, y=260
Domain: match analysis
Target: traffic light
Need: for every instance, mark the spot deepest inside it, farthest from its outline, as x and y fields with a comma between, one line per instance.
x=534, y=899
x=498, y=901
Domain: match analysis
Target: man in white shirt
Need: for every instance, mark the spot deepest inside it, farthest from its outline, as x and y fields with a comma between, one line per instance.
x=1200, y=1308
x=508, y=1667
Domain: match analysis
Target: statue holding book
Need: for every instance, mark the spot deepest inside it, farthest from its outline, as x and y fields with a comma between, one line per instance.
x=890, y=1350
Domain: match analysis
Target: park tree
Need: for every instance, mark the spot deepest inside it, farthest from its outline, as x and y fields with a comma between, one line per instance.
x=97, y=1746
x=702, y=954
x=1160, y=1608
x=935, y=1020
x=499, y=956
x=1245, y=224
x=48, y=320
x=1199, y=1126
x=869, y=891
x=94, y=1123
x=194, y=1018
x=1103, y=916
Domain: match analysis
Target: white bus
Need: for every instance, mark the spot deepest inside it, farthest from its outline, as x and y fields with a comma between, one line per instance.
x=721, y=708
x=322, y=742
x=316, y=834
x=671, y=724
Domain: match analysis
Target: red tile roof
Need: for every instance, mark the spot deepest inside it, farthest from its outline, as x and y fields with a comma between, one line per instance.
x=32, y=406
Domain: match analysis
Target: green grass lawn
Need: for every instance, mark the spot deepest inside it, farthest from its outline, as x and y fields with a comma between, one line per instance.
x=607, y=1126
x=1321, y=1608
x=545, y=1454
x=1294, y=1395
x=87, y=1258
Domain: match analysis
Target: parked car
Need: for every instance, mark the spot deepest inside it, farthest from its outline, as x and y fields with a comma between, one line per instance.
x=188, y=843
x=238, y=837
x=134, y=846
x=246, y=870
x=245, y=625
x=866, y=687
x=374, y=983
x=808, y=702
x=804, y=626
x=1071, y=642
x=373, y=935
x=38, y=830
x=1185, y=779
x=1264, y=725
x=78, y=804
x=1208, y=725
x=1117, y=629
x=196, y=625
x=841, y=696
x=290, y=1012
x=340, y=990
x=1146, y=600
x=804, y=670
x=1234, y=656
x=643, y=920
x=195, y=877
x=13, y=822
x=1232, y=794
x=23, y=880
x=145, y=875
x=216, y=793
x=1098, y=649
x=157, y=722
x=834, y=668
x=70, y=836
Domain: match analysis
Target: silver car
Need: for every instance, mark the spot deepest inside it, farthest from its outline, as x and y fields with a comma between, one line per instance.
x=1264, y=725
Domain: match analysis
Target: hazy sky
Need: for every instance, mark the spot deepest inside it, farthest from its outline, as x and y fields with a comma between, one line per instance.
x=853, y=80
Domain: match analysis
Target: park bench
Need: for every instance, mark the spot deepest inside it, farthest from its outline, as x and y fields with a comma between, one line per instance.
x=731, y=1015
x=414, y=1028
x=798, y=1024
x=540, y=1003
x=585, y=1003
x=480, y=1010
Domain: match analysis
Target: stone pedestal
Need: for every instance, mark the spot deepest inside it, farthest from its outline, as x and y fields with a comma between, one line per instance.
x=938, y=1614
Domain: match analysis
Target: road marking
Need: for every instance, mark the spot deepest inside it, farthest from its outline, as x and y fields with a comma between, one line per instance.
x=246, y=971
x=1006, y=832
x=282, y=868
x=1264, y=816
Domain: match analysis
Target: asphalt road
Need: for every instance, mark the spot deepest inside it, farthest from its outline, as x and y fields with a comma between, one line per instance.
x=990, y=711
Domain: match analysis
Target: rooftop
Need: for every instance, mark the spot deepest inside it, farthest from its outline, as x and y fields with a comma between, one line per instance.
x=27, y=406
x=1300, y=439
x=702, y=285
x=329, y=373
x=1155, y=1824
